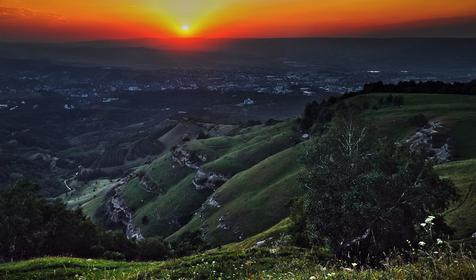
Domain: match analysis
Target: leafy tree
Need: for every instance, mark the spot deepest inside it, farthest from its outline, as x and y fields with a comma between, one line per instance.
x=433, y=87
x=418, y=120
x=145, y=220
x=367, y=196
x=154, y=248
x=31, y=226
x=190, y=243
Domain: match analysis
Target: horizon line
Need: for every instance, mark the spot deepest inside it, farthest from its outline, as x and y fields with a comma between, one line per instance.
x=52, y=41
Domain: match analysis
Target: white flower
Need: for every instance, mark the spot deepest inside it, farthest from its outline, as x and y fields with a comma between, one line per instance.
x=312, y=278
x=439, y=241
x=423, y=224
x=421, y=243
x=429, y=219
x=354, y=264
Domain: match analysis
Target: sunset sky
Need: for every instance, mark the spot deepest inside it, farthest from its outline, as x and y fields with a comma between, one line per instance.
x=120, y=19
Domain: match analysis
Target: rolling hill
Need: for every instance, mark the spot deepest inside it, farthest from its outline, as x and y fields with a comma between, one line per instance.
x=239, y=184
x=236, y=190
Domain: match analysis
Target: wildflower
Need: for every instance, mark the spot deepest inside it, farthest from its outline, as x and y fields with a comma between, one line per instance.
x=421, y=243
x=439, y=241
x=312, y=278
x=423, y=224
x=354, y=264
x=429, y=220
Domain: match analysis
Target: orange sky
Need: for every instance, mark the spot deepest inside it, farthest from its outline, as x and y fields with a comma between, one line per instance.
x=113, y=19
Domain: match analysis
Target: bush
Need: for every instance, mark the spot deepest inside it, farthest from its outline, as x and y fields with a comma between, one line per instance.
x=145, y=220
x=154, y=248
x=418, y=120
x=203, y=135
x=113, y=255
x=366, y=195
x=31, y=226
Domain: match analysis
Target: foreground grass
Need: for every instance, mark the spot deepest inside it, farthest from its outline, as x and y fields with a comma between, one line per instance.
x=461, y=215
x=277, y=263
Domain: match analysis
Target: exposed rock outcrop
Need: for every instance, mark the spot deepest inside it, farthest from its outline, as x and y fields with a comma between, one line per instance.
x=185, y=158
x=202, y=180
x=119, y=214
x=222, y=224
x=208, y=180
x=433, y=140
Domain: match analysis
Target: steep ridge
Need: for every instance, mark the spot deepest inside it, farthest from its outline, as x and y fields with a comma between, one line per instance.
x=251, y=201
x=230, y=187
x=203, y=170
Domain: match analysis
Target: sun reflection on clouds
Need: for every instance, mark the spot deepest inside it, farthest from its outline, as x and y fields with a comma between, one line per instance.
x=216, y=18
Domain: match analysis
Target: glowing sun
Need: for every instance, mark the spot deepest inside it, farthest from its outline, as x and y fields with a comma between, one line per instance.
x=185, y=28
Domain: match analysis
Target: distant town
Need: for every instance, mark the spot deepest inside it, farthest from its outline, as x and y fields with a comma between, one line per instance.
x=104, y=84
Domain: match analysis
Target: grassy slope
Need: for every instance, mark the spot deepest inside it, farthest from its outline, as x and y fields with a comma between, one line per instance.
x=252, y=200
x=89, y=197
x=263, y=172
x=457, y=111
x=462, y=215
x=279, y=263
x=227, y=155
x=274, y=233
x=249, y=191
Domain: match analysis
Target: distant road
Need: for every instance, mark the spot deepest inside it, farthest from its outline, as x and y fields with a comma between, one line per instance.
x=66, y=185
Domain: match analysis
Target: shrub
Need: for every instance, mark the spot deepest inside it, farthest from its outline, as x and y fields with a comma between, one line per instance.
x=418, y=120
x=367, y=196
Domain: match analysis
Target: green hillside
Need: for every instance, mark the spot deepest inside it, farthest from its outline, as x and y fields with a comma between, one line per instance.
x=276, y=263
x=462, y=215
x=262, y=165
x=458, y=112
x=251, y=201
x=248, y=214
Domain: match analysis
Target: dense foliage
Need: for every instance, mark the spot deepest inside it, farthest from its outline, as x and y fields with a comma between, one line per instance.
x=317, y=116
x=434, y=87
x=31, y=226
x=366, y=196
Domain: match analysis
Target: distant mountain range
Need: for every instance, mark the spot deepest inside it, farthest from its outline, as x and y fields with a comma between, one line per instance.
x=352, y=54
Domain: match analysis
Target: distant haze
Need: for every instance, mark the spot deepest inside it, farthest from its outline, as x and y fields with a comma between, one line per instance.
x=440, y=55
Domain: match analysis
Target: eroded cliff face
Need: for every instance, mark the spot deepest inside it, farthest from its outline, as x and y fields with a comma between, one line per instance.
x=185, y=158
x=118, y=214
x=203, y=180
x=433, y=140
x=208, y=180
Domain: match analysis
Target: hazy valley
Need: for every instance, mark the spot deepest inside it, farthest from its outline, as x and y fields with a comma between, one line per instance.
x=211, y=163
